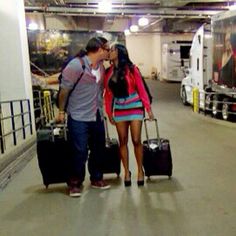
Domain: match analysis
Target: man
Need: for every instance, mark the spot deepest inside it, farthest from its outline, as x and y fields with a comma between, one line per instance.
x=85, y=113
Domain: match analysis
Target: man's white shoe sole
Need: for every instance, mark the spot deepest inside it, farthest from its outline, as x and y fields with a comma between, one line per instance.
x=102, y=188
x=75, y=194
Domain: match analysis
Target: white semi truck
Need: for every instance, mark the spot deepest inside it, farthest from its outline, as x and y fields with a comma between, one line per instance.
x=213, y=67
x=200, y=70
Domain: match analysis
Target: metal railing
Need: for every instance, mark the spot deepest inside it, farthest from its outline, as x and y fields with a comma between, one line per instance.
x=205, y=102
x=39, y=69
x=11, y=117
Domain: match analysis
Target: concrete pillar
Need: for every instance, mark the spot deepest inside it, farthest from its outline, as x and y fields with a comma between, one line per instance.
x=15, y=75
x=15, y=82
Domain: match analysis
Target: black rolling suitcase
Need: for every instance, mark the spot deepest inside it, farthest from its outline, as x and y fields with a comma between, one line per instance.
x=54, y=154
x=157, y=158
x=111, y=160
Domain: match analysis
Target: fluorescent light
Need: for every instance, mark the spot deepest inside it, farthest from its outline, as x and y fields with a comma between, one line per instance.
x=33, y=26
x=133, y=28
x=126, y=32
x=232, y=8
x=143, y=21
x=99, y=31
x=105, y=6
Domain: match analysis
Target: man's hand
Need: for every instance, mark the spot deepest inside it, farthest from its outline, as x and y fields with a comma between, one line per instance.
x=60, y=118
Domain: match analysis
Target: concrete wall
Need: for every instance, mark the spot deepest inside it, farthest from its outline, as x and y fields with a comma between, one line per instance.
x=14, y=60
x=140, y=49
x=156, y=52
x=145, y=50
x=15, y=81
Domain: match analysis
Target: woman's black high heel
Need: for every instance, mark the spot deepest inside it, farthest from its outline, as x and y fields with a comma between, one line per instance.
x=141, y=182
x=128, y=182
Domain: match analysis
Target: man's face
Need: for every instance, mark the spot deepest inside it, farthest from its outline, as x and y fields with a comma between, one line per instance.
x=105, y=49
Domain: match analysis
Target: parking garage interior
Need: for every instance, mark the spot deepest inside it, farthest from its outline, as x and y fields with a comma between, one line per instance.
x=37, y=37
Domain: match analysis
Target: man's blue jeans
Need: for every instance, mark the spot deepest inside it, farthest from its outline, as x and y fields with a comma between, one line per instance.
x=84, y=135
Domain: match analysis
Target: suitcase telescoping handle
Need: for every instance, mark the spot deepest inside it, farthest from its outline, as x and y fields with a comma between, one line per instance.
x=106, y=128
x=146, y=129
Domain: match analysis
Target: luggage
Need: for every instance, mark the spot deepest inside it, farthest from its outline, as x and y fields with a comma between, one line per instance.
x=157, y=158
x=111, y=160
x=54, y=154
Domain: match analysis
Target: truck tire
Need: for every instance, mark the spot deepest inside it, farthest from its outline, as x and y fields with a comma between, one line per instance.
x=216, y=106
x=225, y=109
x=184, y=96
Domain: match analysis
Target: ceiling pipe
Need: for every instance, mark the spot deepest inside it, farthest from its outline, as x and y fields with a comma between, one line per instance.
x=125, y=16
x=137, y=6
x=124, y=12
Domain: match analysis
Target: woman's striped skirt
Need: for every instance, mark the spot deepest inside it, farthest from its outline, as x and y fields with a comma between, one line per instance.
x=129, y=108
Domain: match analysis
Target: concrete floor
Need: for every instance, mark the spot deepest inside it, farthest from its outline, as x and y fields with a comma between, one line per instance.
x=199, y=200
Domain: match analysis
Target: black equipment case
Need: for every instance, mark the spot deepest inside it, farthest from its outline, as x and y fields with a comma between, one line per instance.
x=111, y=160
x=157, y=158
x=54, y=154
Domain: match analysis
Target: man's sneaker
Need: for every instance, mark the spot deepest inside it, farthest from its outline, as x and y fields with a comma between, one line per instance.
x=101, y=184
x=74, y=191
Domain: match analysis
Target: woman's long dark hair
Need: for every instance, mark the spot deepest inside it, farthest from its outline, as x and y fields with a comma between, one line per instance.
x=123, y=60
x=118, y=83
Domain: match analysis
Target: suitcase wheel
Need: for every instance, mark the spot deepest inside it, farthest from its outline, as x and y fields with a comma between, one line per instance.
x=46, y=186
x=169, y=176
x=118, y=175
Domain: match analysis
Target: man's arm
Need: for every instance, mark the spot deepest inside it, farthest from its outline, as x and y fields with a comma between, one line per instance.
x=70, y=76
x=63, y=97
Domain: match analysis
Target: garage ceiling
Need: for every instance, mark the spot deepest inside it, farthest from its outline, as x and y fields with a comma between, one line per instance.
x=164, y=15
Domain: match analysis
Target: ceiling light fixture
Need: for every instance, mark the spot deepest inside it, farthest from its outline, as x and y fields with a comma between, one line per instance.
x=143, y=21
x=105, y=6
x=33, y=26
x=232, y=7
x=133, y=28
x=127, y=32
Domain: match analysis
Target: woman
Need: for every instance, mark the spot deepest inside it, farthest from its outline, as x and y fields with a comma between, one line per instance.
x=125, y=100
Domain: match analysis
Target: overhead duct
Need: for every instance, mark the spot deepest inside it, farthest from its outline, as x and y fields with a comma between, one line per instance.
x=128, y=10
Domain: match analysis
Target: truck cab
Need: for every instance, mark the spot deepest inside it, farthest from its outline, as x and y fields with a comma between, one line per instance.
x=200, y=70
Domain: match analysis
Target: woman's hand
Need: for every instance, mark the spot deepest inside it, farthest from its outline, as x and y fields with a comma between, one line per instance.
x=111, y=120
x=150, y=115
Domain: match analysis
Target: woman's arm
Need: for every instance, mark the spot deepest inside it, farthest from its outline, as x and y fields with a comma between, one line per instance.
x=141, y=89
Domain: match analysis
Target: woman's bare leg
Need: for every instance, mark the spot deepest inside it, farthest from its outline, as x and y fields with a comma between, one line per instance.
x=122, y=129
x=136, y=128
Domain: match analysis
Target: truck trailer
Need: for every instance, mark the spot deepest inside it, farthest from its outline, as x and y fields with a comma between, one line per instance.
x=213, y=68
x=175, y=58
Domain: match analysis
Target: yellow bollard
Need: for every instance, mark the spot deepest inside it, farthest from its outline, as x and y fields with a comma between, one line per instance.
x=196, y=100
